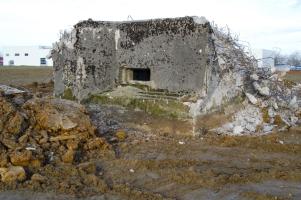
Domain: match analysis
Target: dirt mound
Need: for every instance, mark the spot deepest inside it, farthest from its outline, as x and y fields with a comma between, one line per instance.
x=49, y=143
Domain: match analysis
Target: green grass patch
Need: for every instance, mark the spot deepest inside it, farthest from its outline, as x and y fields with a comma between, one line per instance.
x=160, y=107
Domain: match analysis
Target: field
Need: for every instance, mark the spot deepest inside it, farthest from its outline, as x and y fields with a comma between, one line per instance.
x=154, y=164
x=294, y=76
x=24, y=75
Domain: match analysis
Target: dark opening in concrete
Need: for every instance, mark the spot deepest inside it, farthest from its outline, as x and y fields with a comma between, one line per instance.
x=141, y=74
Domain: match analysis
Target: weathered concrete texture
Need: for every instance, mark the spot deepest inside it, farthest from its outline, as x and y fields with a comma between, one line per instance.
x=94, y=57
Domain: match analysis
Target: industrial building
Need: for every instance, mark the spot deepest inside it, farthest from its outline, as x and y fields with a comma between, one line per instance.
x=1, y=59
x=26, y=55
x=265, y=58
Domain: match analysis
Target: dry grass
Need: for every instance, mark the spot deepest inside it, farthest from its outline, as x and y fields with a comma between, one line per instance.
x=294, y=76
x=23, y=75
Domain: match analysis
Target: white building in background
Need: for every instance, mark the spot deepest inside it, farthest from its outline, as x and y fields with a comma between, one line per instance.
x=1, y=59
x=26, y=55
x=266, y=58
x=283, y=67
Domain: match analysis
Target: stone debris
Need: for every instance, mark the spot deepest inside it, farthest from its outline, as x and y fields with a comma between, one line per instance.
x=254, y=77
x=10, y=90
x=264, y=91
x=244, y=121
x=237, y=130
x=270, y=108
x=251, y=98
x=273, y=103
x=267, y=128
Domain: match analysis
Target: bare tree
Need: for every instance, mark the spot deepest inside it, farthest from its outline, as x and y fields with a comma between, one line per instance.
x=280, y=58
x=294, y=59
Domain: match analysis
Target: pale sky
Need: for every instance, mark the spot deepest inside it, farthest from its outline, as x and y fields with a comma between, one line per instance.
x=265, y=24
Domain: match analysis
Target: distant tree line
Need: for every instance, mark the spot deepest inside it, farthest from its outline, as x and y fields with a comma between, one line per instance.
x=293, y=59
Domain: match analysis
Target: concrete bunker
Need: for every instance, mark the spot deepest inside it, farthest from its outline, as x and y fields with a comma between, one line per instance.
x=171, y=60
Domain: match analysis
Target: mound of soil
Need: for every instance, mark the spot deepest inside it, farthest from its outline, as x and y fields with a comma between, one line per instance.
x=49, y=143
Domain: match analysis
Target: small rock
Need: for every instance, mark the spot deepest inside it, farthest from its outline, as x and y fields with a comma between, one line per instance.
x=237, y=130
x=3, y=160
x=113, y=139
x=251, y=98
x=271, y=113
x=36, y=163
x=254, y=77
x=21, y=158
x=267, y=128
x=293, y=103
x=264, y=91
x=23, y=139
x=279, y=88
x=181, y=142
x=67, y=124
x=38, y=178
x=121, y=135
x=275, y=106
x=251, y=128
x=13, y=173
x=281, y=142
x=10, y=90
x=132, y=171
x=30, y=148
x=68, y=156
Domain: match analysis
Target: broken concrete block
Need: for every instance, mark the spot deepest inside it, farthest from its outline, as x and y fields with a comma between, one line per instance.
x=10, y=90
x=264, y=91
x=251, y=98
x=251, y=128
x=254, y=77
x=293, y=103
x=275, y=106
x=267, y=128
x=237, y=130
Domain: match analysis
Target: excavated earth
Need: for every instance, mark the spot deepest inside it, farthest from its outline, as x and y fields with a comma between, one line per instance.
x=50, y=149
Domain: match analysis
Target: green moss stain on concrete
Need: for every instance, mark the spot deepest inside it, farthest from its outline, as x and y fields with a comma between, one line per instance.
x=158, y=107
x=68, y=94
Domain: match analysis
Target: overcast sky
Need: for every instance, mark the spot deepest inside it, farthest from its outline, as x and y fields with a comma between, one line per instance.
x=265, y=24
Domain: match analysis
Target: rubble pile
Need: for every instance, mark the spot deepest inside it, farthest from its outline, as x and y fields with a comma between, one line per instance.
x=272, y=103
x=43, y=140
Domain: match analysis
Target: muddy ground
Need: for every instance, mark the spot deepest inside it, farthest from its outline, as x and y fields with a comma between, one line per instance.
x=149, y=158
